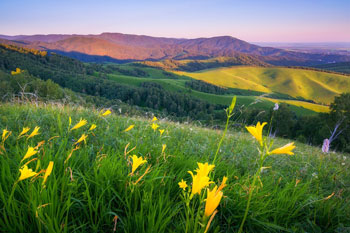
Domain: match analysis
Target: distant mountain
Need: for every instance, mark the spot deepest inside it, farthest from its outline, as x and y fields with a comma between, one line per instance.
x=121, y=47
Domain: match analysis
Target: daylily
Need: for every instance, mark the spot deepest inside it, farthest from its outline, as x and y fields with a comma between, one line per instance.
x=154, y=126
x=136, y=162
x=154, y=119
x=129, y=128
x=256, y=131
x=204, y=169
x=183, y=184
x=106, y=113
x=199, y=182
x=223, y=184
x=92, y=127
x=163, y=148
x=161, y=131
x=34, y=132
x=286, y=149
x=26, y=173
x=82, y=138
x=81, y=123
x=30, y=152
x=213, y=200
x=24, y=131
x=5, y=135
x=48, y=171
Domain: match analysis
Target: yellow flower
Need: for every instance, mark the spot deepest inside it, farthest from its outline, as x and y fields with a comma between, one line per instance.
x=213, y=200
x=26, y=173
x=183, y=184
x=223, y=183
x=106, y=113
x=5, y=134
x=30, y=152
x=204, y=169
x=198, y=183
x=154, y=119
x=256, y=131
x=129, y=128
x=93, y=126
x=48, y=171
x=161, y=131
x=24, y=131
x=82, y=138
x=286, y=149
x=34, y=132
x=18, y=71
x=70, y=121
x=154, y=126
x=79, y=124
x=163, y=148
x=136, y=162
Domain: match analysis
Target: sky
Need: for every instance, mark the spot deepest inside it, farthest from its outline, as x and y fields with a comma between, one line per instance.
x=249, y=20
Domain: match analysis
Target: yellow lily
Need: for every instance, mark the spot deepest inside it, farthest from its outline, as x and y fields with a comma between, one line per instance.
x=5, y=135
x=161, y=131
x=183, y=184
x=213, y=200
x=136, y=162
x=106, y=113
x=198, y=183
x=81, y=123
x=223, y=183
x=204, y=169
x=30, y=152
x=26, y=173
x=154, y=126
x=286, y=149
x=129, y=128
x=163, y=148
x=48, y=171
x=34, y=132
x=256, y=131
x=82, y=138
x=24, y=131
x=154, y=119
x=93, y=126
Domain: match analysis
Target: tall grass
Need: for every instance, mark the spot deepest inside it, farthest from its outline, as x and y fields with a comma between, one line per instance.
x=94, y=191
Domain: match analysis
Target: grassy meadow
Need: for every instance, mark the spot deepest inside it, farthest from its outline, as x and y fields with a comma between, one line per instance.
x=308, y=84
x=92, y=187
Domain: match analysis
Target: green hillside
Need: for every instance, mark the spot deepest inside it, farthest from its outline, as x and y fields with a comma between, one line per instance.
x=308, y=84
x=92, y=187
x=177, y=83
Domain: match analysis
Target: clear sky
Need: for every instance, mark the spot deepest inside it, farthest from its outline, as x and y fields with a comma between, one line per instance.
x=250, y=20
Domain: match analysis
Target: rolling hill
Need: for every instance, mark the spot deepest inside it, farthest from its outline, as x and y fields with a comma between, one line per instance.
x=320, y=87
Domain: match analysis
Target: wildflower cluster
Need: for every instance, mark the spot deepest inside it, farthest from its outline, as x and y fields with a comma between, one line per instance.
x=24, y=170
x=200, y=186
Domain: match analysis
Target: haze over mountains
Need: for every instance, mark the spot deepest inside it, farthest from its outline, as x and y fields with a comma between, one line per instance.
x=117, y=47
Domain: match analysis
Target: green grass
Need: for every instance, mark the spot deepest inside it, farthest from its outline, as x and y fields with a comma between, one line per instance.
x=86, y=193
x=309, y=84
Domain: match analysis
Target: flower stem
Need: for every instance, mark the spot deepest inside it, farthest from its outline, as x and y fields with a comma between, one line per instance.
x=222, y=138
x=251, y=194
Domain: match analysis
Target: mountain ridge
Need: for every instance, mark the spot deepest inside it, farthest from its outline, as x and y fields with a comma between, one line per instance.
x=141, y=47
